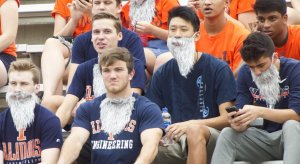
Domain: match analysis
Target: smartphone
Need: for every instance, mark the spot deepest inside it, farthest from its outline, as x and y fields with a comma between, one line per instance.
x=231, y=109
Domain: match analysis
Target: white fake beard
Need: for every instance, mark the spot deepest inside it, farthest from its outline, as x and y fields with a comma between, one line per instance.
x=22, y=106
x=268, y=85
x=142, y=12
x=115, y=114
x=98, y=84
x=183, y=51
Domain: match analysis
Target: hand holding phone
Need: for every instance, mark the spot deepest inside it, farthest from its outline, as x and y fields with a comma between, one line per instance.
x=231, y=109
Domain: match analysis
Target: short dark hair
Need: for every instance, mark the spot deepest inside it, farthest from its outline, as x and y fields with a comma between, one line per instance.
x=257, y=45
x=26, y=65
x=111, y=55
x=106, y=15
x=267, y=6
x=185, y=13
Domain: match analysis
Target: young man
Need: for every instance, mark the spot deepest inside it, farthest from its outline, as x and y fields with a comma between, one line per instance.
x=236, y=10
x=87, y=80
x=196, y=88
x=29, y=133
x=220, y=37
x=72, y=18
x=83, y=49
x=272, y=20
x=268, y=87
x=149, y=19
x=123, y=127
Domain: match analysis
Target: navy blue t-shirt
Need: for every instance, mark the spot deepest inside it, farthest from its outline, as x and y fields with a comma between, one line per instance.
x=83, y=77
x=26, y=146
x=83, y=49
x=248, y=93
x=126, y=146
x=198, y=96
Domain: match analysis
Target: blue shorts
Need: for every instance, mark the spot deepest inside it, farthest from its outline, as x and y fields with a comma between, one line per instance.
x=6, y=59
x=158, y=46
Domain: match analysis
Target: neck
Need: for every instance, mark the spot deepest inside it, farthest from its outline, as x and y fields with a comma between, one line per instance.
x=277, y=64
x=215, y=25
x=127, y=92
x=197, y=56
x=282, y=38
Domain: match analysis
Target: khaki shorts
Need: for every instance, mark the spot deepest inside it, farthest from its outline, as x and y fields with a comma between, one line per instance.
x=177, y=153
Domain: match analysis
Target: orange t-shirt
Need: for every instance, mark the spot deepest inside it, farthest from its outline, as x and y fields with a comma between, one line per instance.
x=236, y=7
x=225, y=45
x=11, y=49
x=160, y=19
x=291, y=49
x=61, y=8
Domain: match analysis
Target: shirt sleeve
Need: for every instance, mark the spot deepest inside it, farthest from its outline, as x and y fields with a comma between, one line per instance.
x=135, y=47
x=154, y=92
x=151, y=118
x=244, y=96
x=139, y=77
x=245, y=6
x=77, y=86
x=82, y=118
x=78, y=50
x=294, y=96
x=61, y=8
x=51, y=136
x=225, y=85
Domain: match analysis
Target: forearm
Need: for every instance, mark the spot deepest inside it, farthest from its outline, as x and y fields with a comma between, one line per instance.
x=147, y=154
x=64, y=114
x=159, y=33
x=70, y=150
x=50, y=155
x=278, y=115
x=218, y=122
x=68, y=29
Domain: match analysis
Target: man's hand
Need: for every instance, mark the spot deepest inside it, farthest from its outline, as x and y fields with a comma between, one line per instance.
x=143, y=27
x=194, y=5
x=84, y=6
x=235, y=124
x=241, y=120
x=75, y=13
x=175, y=131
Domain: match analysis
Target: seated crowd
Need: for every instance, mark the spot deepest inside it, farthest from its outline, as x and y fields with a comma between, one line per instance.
x=123, y=64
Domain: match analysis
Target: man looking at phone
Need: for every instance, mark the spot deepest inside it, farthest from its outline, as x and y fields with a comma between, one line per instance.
x=264, y=82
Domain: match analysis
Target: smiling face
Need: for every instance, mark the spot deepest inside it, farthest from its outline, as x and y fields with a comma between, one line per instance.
x=105, y=35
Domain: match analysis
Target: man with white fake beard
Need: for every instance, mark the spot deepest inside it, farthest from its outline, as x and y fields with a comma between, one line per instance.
x=29, y=133
x=268, y=87
x=122, y=126
x=149, y=18
x=196, y=88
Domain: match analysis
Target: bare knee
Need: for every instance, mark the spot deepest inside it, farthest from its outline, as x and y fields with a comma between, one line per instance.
x=55, y=47
x=150, y=60
x=162, y=59
x=197, y=134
